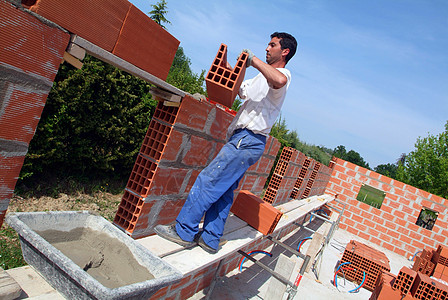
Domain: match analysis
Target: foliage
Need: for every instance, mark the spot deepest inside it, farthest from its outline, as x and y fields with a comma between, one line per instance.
x=92, y=124
x=351, y=156
x=10, y=252
x=427, y=166
x=182, y=77
x=389, y=170
x=160, y=9
x=291, y=139
x=237, y=104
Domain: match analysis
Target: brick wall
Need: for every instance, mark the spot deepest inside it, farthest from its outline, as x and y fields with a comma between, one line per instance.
x=30, y=54
x=393, y=226
x=179, y=143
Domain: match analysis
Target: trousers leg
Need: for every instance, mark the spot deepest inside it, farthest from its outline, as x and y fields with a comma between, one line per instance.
x=214, y=186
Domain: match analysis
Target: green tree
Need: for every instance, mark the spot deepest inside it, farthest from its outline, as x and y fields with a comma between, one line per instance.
x=427, y=166
x=182, y=77
x=351, y=156
x=92, y=124
x=389, y=170
x=158, y=13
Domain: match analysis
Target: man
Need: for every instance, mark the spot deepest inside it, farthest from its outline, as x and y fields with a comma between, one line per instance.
x=212, y=192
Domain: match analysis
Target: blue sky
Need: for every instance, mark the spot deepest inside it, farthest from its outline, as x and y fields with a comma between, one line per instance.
x=369, y=75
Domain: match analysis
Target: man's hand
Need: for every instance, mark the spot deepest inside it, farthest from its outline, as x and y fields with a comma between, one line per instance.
x=250, y=55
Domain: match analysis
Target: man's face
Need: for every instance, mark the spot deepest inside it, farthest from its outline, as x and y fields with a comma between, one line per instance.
x=273, y=51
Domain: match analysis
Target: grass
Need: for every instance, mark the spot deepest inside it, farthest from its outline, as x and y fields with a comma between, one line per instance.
x=371, y=196
x=10, y=251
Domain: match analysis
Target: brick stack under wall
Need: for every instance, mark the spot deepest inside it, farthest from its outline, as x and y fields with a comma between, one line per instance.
x=364, y=259
x=393, y=225
x=418, y=282
x=284, y=176
x=179, y=143
x=201, y=279
x=30, y=54
x=296, y=177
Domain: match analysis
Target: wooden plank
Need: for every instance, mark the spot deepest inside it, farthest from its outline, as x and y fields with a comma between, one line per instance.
x=173, y=104
x=313, y=249
x=9, y=288
x=72, y=60
x=276, y=289
x=114, y=60
x=165, y=95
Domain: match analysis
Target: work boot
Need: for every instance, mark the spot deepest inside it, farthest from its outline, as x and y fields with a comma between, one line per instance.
x=206, y=247
x=169, y=233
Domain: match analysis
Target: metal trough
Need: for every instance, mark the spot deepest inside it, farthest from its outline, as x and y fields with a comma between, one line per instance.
x=70, y=279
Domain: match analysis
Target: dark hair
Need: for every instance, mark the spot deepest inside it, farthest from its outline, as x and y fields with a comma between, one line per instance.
x=287, y=41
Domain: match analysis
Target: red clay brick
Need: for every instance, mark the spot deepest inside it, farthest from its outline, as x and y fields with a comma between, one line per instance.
x=256, y=212
x=97, y=21
x=146, y=44
x=223, y=84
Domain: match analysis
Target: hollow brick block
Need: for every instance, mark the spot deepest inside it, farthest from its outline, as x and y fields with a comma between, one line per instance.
x=256, y=212
x=28, y=44
x=145, y=44
x=223, y=84
x=97, y=21
x=405, y=280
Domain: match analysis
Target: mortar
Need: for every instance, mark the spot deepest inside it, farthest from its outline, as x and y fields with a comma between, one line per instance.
x=42, y=233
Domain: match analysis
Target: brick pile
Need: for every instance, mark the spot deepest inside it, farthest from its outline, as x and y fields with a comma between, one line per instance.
x=179, y=143
x=366, y=259
x=418, y=282
x=223, y=84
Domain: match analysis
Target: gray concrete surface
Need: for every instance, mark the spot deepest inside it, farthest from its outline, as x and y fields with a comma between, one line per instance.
x=253, y=281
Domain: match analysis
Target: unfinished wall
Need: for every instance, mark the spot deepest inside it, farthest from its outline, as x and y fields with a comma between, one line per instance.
x=30, y=54
x=179, y=143
x=296, y=177
x=393, y=226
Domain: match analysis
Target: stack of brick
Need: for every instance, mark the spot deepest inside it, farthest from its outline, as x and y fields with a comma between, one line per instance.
x=405, y=280
x=423, y=262
x=428, y=289
x=223, y=84
x=383, y=287
x=179, y=143
x=30, y=54
x=440, y=259
x=416, y=283
x=117, y=27
x=366, y=259
x=284, y=176
x=259, y=214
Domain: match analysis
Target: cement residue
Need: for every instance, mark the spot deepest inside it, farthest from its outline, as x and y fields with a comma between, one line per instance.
x=105, y=258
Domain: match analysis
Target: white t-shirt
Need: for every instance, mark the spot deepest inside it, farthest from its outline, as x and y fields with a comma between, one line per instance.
x=262, y=105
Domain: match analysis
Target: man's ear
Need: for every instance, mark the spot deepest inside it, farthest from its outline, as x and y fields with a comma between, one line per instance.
x=285, y=52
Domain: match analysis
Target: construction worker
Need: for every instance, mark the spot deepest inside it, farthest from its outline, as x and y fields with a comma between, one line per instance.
x=212, y=193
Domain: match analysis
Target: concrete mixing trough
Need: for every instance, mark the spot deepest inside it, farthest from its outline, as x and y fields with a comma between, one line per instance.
x=69, y=278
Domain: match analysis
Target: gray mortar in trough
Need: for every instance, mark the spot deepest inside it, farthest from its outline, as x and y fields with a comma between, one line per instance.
x=84, y=256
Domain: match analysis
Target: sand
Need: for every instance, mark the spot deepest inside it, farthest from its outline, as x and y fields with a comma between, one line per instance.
x=105, y=258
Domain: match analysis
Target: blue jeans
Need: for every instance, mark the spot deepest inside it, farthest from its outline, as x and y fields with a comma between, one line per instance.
x=212, y=192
